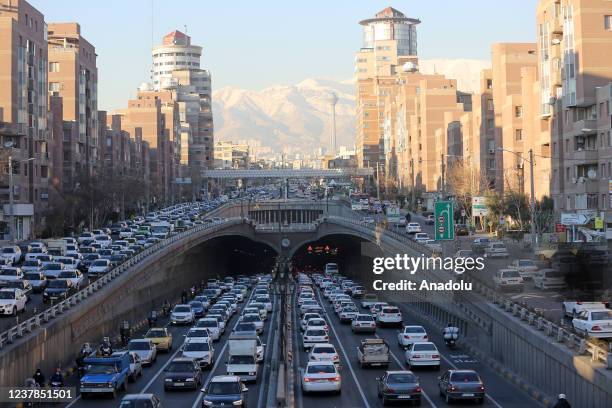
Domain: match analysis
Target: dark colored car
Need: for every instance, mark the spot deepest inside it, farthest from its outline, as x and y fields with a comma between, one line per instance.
x=479, y=244
x=117, y=259
x=399, y=386
x=140, y=401
x=461, y=384
x=57, y=289
x=198, y=308
x=224, y=391
x=182, y=373
x=429, y=220
x=461, y=230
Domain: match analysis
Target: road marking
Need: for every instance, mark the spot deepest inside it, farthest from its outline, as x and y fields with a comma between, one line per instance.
x=348, y=361
x=196, y=404
x=399, y=363
x=265, y=367
x=490, y=398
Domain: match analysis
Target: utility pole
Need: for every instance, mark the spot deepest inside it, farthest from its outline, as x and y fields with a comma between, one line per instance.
x=377, y=181
x=442, y=181
x=413, y=200
x=533, y=206
x=11, y=199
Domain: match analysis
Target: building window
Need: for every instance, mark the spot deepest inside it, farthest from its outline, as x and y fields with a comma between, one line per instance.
x=489, y=84
x=54, y=86
x=489, y=104
x=518, y=134
x=490, y=124
x=518, y=111
x=54, y=67
x=608, y=22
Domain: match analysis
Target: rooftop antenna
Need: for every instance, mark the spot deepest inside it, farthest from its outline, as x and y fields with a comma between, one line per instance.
x=185, y=27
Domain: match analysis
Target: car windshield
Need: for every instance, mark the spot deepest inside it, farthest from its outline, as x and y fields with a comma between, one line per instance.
x=33, y=276
x=68, y=275
x=424, y=347
x=182, y=309
x=207, y=323
x=510, y=274
x=180, y=366
x=323, y=350
x=414, y=330
x=156, y=333
x=196, y=304
x=8, y=250
x=603, y=315
x=465, y=377
x=402, y=378
x=101, y=369
x=8, y=272
x=140, y=403
x=197, y=346
x=391, y=310
x=57, y=283
x=139, y=345
x=245, y=327
x=554, y=274
x=223, y=388
x=197, y=333
x=251, y=318
x=321, y=369
x=31, y=263
x=5, y=294
x=315, y=332
x=526, y=262
x=241, y=360
x=365, y=318
x=53, y=266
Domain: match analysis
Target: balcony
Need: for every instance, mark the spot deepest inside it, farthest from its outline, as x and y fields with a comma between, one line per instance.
x=585, y=126
x=585, y=186
x=585, y=155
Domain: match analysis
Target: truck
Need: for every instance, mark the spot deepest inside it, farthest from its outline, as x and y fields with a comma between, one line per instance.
x=242, y=358
x=393, y=214
x=573, y=308
x=161, y=229
x=56, y=247
x=373, y=352
x=105, y=374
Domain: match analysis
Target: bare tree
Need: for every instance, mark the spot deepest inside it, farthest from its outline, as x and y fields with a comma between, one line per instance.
x=465, y=181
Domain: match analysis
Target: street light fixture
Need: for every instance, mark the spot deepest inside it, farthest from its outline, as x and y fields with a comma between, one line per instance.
x=532, y=188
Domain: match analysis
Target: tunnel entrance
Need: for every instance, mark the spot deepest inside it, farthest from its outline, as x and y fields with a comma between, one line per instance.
x=353, y=255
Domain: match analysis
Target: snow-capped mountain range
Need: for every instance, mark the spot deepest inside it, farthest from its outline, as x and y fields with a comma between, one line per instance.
x=296, y=118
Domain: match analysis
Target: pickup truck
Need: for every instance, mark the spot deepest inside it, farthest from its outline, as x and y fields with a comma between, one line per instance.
x=373, y=352
x=575, y=307
x=105, y=375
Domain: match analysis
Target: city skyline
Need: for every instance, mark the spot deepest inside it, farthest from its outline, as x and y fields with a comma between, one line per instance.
x=226, y=51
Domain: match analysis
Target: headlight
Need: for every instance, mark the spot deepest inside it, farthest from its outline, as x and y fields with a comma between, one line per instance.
x=110, y=384
x=190, y=380
x=208, y=403
x=239, y=402
x=251, y=373
x=168, y=380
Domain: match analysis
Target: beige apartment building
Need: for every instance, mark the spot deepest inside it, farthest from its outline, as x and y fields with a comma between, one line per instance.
x=73, y=76
x=389, y=41
x=574, y=43
x=24, y=129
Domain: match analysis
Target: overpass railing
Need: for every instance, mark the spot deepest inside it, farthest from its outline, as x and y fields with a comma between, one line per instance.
x=562, y=335
x=28, y=325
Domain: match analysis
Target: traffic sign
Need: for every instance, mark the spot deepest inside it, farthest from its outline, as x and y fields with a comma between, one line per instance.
x=444, y=221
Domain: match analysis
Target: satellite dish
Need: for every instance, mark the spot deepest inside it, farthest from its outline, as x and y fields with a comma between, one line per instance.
x=409, y=67
x=592, y=174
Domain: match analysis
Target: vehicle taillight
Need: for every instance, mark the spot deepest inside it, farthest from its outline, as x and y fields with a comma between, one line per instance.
x=596, y=328
x=425, y=337
x=435, y=356
x=482, y=387
x=452, y=388
x=417, y=389
x=406, y=336
x=416, y=356
x=306, y=379
x=337, y=378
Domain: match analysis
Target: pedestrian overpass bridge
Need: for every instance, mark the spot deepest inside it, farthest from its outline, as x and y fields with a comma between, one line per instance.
x=248, y=234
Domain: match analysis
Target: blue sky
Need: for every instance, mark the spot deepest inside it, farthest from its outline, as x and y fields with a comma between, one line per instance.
x=253, y=44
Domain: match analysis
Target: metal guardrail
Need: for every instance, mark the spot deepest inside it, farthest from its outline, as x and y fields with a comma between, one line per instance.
x=293, y=227
x=52, y=312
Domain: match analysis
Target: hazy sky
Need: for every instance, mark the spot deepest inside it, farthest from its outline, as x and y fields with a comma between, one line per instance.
x=254, y=44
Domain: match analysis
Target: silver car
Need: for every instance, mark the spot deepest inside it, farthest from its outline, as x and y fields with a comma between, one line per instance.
x=145, y=349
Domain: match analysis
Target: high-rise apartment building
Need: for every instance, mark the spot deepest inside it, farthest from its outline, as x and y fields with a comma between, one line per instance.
x=73, y=75
x=176, y=66
x=389, y=41
x=24, y=112
x=574, y=39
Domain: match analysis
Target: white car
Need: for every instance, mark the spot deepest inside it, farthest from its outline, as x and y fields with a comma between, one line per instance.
x=145, y=349
x=594, y=323
x=508, y=279
x=411, y=334
x=84, y=236
x=363, y=323
x=220, y=320
x=12, y=301
x=10, y=274
x=321, y=376
x=421, y=237
x=103, y=240
x=377, y=307
x=422, y=354
x=389, y=315
x=314, y=336
x=496, y=250
x=12, y=253
x=317, y=324
x=324, y=352
x=34, y=253
x=77, y=278
x=549, y=279
x=99, y=267
x=306, y=318
x=413, y=228
x=254, y=318
x=198, y=333
x=201, y=350
x=526, y=267
x=182, y=314
x=212, y=325
x=348, y=313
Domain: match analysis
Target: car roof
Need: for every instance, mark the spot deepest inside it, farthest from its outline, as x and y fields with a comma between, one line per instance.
x=182, y=360
x=325, y=362
x=225, y=378
x=399, y=372
x=130, y=397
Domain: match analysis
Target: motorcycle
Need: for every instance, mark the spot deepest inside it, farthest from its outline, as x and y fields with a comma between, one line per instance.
x=450, y=336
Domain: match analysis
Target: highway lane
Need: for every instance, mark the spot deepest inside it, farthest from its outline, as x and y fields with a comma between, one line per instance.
x=152, y=379
x=500, y=393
